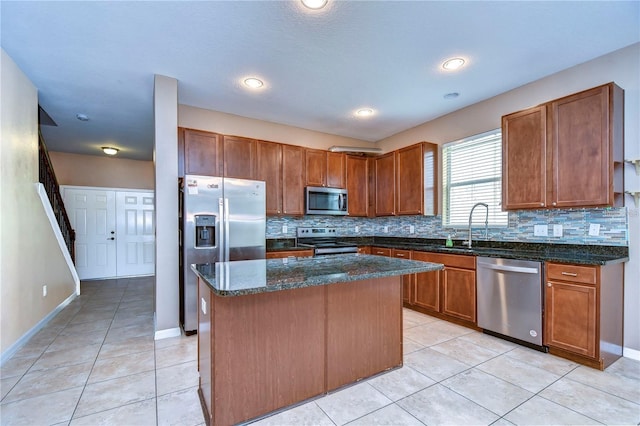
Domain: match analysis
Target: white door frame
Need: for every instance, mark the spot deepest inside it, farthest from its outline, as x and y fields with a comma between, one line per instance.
x=101, y=188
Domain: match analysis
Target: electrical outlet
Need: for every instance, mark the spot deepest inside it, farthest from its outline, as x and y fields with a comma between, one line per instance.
x=285, y=229
x=44, y=291
x=412, y=229
x=357, y=229
x=557, y=230
x=540, y=230
x=385, y=229
x=594, y=229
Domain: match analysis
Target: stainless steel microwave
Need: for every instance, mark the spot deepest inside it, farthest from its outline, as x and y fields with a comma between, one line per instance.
x=320, y=200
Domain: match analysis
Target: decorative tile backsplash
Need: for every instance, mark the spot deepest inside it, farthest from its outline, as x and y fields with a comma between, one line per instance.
x=613, y=226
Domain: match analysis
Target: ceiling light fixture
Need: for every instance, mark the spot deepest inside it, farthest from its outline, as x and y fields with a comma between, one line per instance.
x=109, y=150
x=451, y=95
x=364, y=112
x=314, y=4
x=254, y=83
x=453, y=64
x=354, y=149
x=82, y=117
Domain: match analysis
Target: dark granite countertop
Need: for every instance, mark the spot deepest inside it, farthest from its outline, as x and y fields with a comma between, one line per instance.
x=561, y=253
x=264, y=275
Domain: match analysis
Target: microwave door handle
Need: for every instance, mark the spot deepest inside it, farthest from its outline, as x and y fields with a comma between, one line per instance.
x=340, y=202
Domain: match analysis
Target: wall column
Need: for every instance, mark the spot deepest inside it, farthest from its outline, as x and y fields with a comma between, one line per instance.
x=165, y=159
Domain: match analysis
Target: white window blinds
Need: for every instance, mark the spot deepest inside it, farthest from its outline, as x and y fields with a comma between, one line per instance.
x=472, y=173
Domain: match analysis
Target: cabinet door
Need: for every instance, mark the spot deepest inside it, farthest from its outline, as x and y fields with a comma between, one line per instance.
x=316, y=163
x=336, y=165
x=580, y=147
x=459, y=293
x=239, y=157
x=270, y=170
x=410, y=180
x=358, y=186
x=430, y=151
x=570, y=317
x=426, y=291
x=202, y=153
x=407, y=280
x=292, y=180
x=385, y=173
x=524, y=159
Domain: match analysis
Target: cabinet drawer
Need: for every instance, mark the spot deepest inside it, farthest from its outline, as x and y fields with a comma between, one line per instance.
x=450, y=260
x=381, y=251
x=580, y=274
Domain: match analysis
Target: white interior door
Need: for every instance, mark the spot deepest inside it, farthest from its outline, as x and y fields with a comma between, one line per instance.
x=92, y=214
x=135, y=235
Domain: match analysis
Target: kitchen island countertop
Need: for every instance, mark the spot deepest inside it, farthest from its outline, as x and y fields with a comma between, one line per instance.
x=244, y=277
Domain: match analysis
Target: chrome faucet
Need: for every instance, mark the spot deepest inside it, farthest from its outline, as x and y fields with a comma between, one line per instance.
x=486, y=222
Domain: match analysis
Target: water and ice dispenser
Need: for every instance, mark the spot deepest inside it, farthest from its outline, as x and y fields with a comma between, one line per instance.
x=205, y=230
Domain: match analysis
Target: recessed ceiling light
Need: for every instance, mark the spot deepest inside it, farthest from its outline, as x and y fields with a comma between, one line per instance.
x=109, y=150
x=453, y=64
x=314, y=4
x=253, y=82
x=82, y=117
x=451, y=95
x=364, y=112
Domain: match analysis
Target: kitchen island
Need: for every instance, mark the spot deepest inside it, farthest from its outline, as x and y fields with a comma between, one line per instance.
x=272, y=333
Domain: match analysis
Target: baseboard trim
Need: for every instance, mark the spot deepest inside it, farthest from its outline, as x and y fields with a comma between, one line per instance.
x=39, y=326
x=169, y=332
x=631, y=353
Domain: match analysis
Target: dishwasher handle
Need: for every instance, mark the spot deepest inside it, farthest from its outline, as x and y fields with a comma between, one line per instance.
x=519, y=269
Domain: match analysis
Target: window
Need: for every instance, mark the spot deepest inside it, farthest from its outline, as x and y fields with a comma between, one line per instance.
x=472, y=173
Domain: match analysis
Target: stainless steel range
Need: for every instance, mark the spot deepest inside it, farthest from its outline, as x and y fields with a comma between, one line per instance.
x=324, y=241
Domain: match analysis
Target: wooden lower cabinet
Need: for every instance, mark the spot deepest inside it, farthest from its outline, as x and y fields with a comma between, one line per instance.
x=450, y=293
x=364, y=250
x=407, y=280
x=583, y=312
x=289, y=253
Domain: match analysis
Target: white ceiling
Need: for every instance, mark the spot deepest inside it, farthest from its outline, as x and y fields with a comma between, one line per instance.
x=99, y=59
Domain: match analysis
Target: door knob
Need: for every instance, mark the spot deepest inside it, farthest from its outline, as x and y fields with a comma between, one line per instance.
x=112, y=238
x=113, y=232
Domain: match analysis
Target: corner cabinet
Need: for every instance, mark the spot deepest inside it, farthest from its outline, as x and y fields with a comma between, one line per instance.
x=566, y=153
x=200, y=153
x=583, y=313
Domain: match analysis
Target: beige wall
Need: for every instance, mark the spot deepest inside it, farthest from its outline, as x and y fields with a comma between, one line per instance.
x=621, y=67
x=29, y=252
x=104, y=172
x=229, y=124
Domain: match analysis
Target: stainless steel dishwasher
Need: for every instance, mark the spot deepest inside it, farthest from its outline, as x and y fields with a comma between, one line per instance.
x=510, y=299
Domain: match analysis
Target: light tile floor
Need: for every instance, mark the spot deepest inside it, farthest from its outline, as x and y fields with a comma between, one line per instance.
x=96, y=363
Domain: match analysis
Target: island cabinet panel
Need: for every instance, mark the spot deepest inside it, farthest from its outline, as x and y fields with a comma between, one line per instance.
x=358, y=185
x=293, y=175
x=385, y=176
x=239, y=157
x=269, y=167
x=364, y=329
x=524, y=159
x=269, y=354
x=202, y=152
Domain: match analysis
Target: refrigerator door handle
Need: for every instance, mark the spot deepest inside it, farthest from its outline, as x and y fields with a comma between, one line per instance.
x=220, y=230
x=226, y=230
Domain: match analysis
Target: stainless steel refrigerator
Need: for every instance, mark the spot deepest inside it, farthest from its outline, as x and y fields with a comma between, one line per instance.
x=223, y=220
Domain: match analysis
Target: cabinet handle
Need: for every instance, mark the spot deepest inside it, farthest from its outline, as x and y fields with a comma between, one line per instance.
x=571, y=274
x=553, y=204
x=541, y=204
x=548, y=284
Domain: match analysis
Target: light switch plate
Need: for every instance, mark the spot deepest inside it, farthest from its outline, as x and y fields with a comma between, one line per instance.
x=594, y=229
x=357, y=229
x=540, y=230
x=557, y=230
x=385, y=229
x=412, y=229
x=285, y=229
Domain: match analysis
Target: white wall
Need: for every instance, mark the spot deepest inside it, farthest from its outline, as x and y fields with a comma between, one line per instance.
x=621, y=67
x=229, y=124
x=29, y=252
x=165, y=158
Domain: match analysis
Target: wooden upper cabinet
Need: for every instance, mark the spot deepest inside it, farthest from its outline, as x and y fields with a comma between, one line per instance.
x=316, y=164
x=524, y=159
x=385, y=173
x=269, y=169
x=325, y=168
x=357, y=185
x=566, y=153
x=430, y=154
x=293, y=178
x=336, y=168
x=410, y=180
x=239, y=157
x=202, y=152
x=583, y=136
